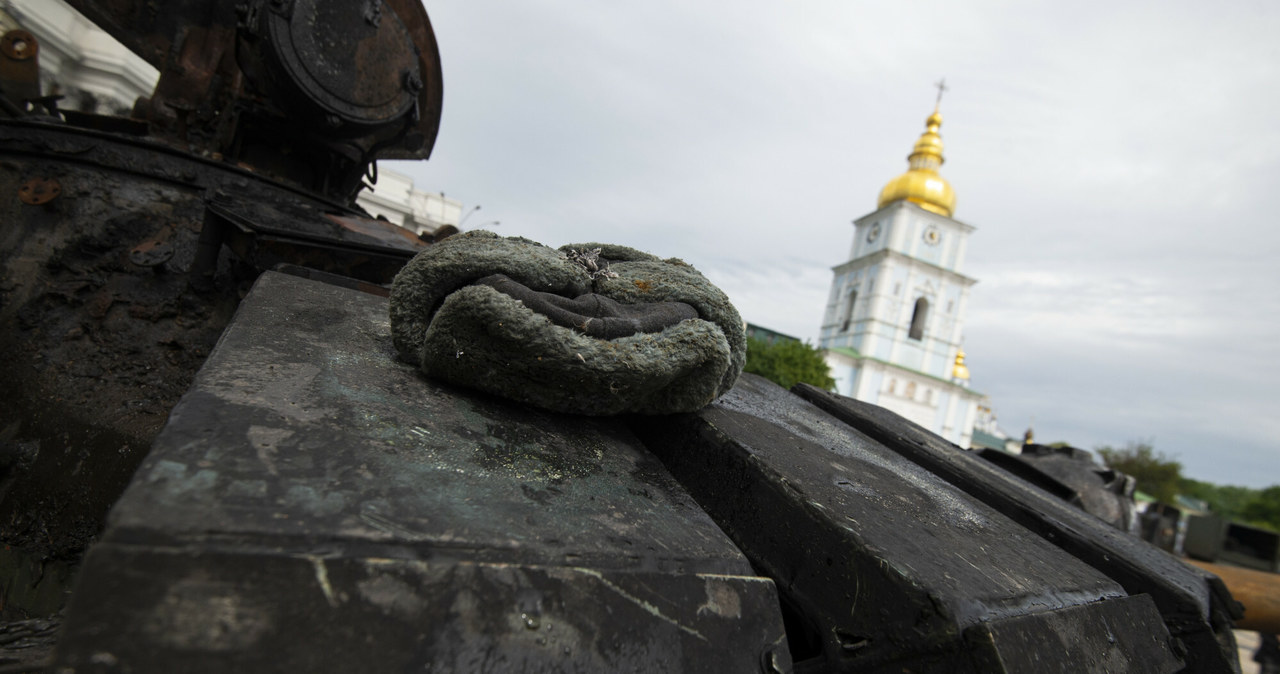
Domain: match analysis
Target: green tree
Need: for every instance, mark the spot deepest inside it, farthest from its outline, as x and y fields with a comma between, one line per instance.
x=1264, y=508
x=788, y=362
x=1156, y=473
x=1258, y=507
x=1226, y=500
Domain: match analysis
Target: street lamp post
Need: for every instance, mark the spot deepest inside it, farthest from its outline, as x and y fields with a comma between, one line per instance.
x=469, y=214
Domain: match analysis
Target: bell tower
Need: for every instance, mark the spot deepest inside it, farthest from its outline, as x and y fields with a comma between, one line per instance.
x=895, y=315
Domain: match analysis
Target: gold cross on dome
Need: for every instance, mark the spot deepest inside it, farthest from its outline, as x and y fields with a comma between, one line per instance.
x=942, y=86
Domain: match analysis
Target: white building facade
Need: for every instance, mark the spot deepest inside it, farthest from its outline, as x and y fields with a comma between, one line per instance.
x=79, y=61
x=396, y=199
x=894, y=320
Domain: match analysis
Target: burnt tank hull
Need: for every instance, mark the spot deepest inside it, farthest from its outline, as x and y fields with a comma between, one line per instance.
x=311, y=488
x=205, y=429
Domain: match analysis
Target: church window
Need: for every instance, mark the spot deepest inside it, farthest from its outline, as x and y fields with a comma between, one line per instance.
x=949, y=303
x=928, y=396
x=897, y=289
x=918, y=317
x=893, y=386
x=848, y=311
x=911, y=390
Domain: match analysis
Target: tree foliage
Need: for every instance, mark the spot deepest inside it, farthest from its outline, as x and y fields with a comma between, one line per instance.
x=1259, y=507
x=1156, y=473
x=1264, y=508
x=788, y=362
x=1160, y=476
x=1226, y=500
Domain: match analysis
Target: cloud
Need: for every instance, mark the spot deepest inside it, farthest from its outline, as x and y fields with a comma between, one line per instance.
x=1117, y=159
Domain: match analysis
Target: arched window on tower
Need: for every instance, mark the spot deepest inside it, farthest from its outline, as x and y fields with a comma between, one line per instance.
x=918, y=317
x=848, y=311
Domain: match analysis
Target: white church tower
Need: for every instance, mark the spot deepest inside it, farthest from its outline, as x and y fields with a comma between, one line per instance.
x=895, y=315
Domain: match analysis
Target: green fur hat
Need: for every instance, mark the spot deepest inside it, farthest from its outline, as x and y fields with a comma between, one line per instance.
x=590, y=328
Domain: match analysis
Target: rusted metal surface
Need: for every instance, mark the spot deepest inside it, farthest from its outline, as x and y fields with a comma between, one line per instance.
x=1259, y=591
x=346, y=62
x=19, y=45
x=155, y=250
x=430, y=98
x=150, y=29
x=304, y=233
x=20, y=67
x=39, y=191
x=306, y=220
x=379, y=230
x=198, y=80
x=97, y=348
x=309, y=91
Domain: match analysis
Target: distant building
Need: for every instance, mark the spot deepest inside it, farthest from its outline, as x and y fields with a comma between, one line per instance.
x=94, y=73
x=895, y=315
x=987, y=432
x=766, y=335
x=396, y=199
x=79, y=61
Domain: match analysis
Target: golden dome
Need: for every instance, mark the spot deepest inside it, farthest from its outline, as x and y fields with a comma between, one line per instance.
x=921, y=184
x=960, y=371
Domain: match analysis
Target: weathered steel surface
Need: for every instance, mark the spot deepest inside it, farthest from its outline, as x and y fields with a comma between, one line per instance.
x=147, y=609
x=303, y=232
x=143, y=159
x=1195, y=605
x=1100, y=491
x=312, y=91
x=97, y=347
x=101, y=331
x=306, y=221
x=883, y=565
x=311, y=489
x=1037, y=642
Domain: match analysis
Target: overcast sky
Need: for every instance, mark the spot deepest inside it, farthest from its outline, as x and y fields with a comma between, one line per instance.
x=1119, y=160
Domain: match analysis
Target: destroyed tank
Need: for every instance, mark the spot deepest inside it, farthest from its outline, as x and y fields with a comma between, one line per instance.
x=207, y=433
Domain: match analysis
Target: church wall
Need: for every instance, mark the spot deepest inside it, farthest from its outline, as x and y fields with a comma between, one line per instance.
x=911, y=355
x=845, y=380
x=882, y=348
x=912, y=397
x=961, y=247
x=861, y=246
x=895, y=236
x=943, y=408
x=966, y=425
x=946, y=405
x=844, y=371
x=962, y=303
x=941, y=362
x=954, y=253
x=918, y=255
x=929, y=253
x=869, y=385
